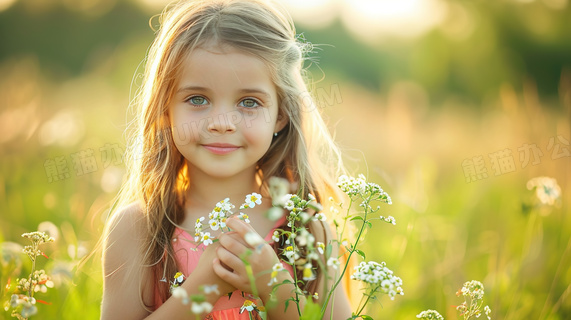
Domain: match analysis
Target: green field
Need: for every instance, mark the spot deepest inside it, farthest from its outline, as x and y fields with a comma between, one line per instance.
x=453, y=129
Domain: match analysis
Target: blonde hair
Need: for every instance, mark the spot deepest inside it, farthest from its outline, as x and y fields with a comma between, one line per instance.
x=303, y=152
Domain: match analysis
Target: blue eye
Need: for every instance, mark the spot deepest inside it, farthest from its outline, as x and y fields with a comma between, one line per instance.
x=197, y=100
x=249, y=103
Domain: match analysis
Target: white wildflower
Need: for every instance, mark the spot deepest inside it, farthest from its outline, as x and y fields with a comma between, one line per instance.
x=308, y=273
x=320, y=247
x=304, y=238
x=319, y=217
x=253, y=239
x=214, y=224
x=275, y=269
x=291, y=254
x=378, y=275
x=278, y=188
x=276, y=236
x=429, y=315
x=253, y=199
x=389, y=219
x=248, y=305
x=487, y=312
x=473, y=289
x=333, y=262
x=288, y=202
x=275, y=213
x=211, y=289
x=244, y=217
x=201, y=307
x=205, y=238
x=546, y=189
x=180, y=293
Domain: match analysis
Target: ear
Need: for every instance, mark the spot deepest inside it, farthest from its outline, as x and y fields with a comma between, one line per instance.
x=281, y=121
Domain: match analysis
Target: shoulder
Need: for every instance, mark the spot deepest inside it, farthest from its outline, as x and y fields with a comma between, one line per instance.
x=124, y=233
x=127, y=220
x=124, y=278
x=129, y=214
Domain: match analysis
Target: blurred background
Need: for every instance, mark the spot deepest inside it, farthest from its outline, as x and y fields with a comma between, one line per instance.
x=453, y=107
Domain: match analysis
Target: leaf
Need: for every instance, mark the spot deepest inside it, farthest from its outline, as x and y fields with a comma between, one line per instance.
x=366, y=317
x=369, y=224
x=361, y=253
x=311, y=311
x=328, y=251
x=356, y=218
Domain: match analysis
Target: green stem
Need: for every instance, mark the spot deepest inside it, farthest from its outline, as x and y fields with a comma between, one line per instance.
x=31, y=289
x=349, y=257
x=364, y=304
x=345, y=221
x=371, y=294
x=293, y=230
x=252, y=279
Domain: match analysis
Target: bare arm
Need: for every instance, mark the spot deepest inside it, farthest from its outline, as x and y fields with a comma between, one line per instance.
x=127, y=287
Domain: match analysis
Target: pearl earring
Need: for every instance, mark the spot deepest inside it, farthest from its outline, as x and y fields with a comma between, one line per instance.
x=275, y=134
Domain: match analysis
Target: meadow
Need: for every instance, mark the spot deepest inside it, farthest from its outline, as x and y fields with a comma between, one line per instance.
x=456, y=158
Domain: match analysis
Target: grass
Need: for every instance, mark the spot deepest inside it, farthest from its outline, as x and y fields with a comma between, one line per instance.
x=448, y=231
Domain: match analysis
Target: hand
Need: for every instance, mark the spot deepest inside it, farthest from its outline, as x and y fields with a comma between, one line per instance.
x=204, y=272
x=233, y=248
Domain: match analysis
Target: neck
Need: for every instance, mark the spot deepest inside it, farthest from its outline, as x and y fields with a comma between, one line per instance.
x=205, y=191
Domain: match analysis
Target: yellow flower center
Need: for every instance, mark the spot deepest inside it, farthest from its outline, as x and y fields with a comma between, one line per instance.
x=307, y=273
x=248, y=303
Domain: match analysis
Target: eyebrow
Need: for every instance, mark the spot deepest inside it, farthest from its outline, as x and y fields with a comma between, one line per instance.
x=243, y=91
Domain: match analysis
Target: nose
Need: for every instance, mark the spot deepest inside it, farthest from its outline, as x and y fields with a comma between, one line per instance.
x=221, y=123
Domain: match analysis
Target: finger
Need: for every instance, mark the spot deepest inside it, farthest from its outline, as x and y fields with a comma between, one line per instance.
x=247, y=232
x=235, y=237
x=224, y=273
x=239, y=226
x=229, y=259
x=233, y=243
x=226, y=266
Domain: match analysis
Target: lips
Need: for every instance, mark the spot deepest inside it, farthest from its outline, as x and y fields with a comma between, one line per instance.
x=220, y=148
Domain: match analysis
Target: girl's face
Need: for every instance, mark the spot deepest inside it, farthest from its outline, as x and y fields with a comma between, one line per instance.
x=224, y=111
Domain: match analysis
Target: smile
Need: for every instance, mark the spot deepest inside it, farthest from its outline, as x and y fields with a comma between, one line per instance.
x=220, y=148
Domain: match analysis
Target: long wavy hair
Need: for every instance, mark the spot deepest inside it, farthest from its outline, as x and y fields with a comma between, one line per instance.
x=303, y=153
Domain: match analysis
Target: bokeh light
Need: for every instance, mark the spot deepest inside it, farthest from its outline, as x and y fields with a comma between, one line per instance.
x=417, y=92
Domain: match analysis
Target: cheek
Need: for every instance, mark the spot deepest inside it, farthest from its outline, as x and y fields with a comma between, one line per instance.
x=185, y=128
x=263, y=121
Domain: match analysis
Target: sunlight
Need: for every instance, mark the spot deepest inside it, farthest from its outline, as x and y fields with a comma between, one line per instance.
x=373, y=19
x=5, y=4
x=313, y=13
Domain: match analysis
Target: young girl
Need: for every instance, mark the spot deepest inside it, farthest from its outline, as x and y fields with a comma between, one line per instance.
x=223, y=107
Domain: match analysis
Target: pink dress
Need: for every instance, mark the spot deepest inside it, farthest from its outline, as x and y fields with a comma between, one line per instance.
x=226, y=308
